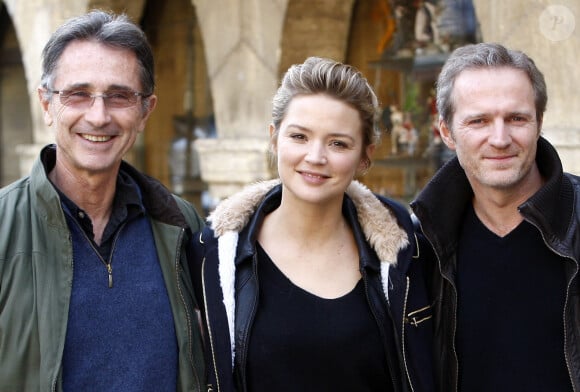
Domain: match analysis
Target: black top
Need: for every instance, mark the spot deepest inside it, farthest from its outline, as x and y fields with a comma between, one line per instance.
x=511, y=293
x=301, y=342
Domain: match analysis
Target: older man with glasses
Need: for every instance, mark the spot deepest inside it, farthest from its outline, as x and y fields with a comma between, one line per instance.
x=94, y=287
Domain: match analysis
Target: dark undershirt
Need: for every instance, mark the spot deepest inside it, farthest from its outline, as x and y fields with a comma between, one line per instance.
x=511, y=293
x=301, y=342
x=126, y=205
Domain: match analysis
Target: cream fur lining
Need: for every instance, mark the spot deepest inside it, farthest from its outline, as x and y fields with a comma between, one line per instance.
x=378, y=223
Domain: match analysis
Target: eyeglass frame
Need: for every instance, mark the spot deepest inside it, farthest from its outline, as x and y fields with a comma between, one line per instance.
x=93, y=97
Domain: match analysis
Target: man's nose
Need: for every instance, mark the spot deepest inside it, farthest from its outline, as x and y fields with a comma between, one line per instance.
x=97, y=113
x=500, y=134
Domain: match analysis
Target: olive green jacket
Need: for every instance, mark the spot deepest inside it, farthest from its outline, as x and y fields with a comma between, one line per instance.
x=36, y=272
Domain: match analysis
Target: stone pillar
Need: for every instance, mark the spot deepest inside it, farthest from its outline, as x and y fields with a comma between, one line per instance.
x=34, y=21
x=549, y=34
x=229, y=164
x=242, y=48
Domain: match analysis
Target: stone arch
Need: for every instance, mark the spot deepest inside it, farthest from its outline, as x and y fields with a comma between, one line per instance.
x=323, y=25
x=33, y=23
x=242, y=48
x=185, y=106
x=133, y=8
x=15, y=121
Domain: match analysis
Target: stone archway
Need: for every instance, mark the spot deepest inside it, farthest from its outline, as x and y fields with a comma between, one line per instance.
x=133, y=8
x=242, y=40
x=184, y=108
x=34, y=21
x=15, y=122
x=323, y=25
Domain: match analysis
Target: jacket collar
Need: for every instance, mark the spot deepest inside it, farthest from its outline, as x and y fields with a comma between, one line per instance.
x=244, y=212
x=440, y=206
x=157, y=200
x=551, y=208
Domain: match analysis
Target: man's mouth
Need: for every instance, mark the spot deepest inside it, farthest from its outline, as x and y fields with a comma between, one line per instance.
x=96, y=138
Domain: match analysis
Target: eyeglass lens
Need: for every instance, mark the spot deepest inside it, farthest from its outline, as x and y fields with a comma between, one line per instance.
x=83, y=99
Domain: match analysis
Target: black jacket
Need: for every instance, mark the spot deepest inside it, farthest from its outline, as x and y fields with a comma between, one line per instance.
x=225, y=264
x=554, y=210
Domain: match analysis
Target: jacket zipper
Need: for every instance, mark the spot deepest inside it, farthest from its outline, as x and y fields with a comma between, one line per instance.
x=243, y=348
x=389, y=364
x=108, y=264
x=566, y=358
x=454, y=331
x=185, y=307
x=209, y=332
x=565, y=333
x=55, y=380
x=403, y=334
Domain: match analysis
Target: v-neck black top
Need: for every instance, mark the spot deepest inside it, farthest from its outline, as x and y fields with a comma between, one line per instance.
x=511, y=293
x=301, y=342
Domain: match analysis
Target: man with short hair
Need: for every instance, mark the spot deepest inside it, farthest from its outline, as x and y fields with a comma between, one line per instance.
x=503, y=220
x=95, y=293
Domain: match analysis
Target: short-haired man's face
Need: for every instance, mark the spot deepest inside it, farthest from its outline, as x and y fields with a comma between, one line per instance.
x=93, y=138
x=494, y=130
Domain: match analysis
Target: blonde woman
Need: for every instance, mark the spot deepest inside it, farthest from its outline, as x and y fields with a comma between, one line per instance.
x=305, y=279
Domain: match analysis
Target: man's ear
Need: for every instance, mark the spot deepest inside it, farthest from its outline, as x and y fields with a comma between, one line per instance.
x=446, y=134
x=151, y=104
x=45, y=104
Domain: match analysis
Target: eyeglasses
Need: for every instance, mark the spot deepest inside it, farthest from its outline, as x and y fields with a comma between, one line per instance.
x=114, y=99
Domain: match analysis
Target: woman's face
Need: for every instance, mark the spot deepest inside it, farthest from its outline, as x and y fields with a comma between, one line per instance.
x=319, y=148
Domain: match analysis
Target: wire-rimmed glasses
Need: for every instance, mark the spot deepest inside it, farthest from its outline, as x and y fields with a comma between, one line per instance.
x=113, y=99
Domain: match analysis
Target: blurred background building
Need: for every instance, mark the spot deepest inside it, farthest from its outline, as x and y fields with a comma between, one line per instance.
x=219, y=63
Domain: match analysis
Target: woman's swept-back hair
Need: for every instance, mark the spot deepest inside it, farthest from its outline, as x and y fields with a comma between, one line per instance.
x=483, y=56
x=337, y=80
x=116, y=31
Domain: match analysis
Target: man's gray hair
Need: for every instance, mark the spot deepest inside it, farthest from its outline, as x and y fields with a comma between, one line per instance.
x=481, y=56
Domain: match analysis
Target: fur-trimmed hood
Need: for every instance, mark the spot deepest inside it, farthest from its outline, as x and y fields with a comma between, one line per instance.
x=377, y=221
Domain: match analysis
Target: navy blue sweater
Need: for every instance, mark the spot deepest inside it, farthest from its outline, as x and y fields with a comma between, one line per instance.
x=119, y=338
